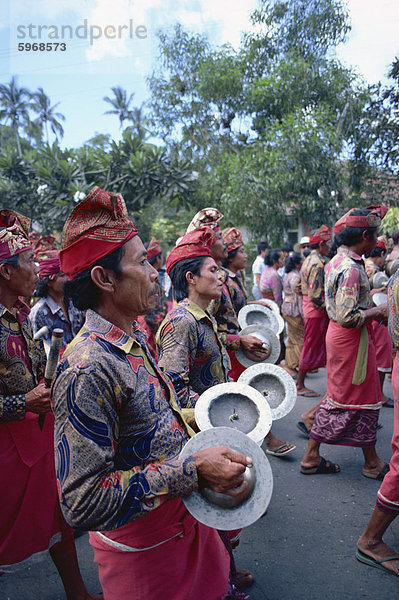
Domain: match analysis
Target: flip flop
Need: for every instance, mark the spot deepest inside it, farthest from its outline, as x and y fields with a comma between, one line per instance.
x=389, y=403
x=380, y=476
x=372, y=562
x=276, y=452
x=309, y=394
x=303, y=429
x=324, y=468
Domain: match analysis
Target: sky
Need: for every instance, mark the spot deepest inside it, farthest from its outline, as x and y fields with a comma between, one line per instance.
x=112, y=43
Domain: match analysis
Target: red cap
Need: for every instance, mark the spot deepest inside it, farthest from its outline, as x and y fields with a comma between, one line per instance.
x=373, y=219
x=323, y=234
x=196, y=243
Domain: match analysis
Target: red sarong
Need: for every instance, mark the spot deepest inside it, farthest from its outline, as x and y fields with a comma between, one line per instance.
x=388, y=494
x=342, y=351
x=165, y=554
x=30, y=515
x=383, y=347
x=313, y=355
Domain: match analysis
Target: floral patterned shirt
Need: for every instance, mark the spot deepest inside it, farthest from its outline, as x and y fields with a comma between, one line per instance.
x=371, y=268
x=312, y=278
x=21, y=361
x=190, y=352
x=119, y=429
x=47, y=312
x=226, y=308
x=347, y=288
x=292, y=305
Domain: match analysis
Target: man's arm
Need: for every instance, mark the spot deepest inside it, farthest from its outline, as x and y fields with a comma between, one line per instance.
x=14, y=408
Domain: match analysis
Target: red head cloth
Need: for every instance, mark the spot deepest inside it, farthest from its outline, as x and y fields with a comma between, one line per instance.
x=196, y=243
x=153, y=249
x=45, y=247
x=381, y=244
x=97, y=226
x=323, y=234
x=373, y=219
x=14, y=237
x=34, y=236
x=206, y=217
x=233, y=238
x=49, y=267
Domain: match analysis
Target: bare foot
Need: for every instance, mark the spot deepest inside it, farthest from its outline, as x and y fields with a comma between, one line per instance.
x=290, y=371
x=378, y=550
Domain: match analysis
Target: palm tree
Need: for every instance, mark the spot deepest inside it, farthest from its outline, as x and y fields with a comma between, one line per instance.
x=47, y=115
x=14, y=107
x=120, y=104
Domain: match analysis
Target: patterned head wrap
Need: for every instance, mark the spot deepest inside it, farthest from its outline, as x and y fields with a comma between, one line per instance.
x=98, y=225
x=14, y=235
x=381, y=244
x=206, y=217
x=34, y=236
x=49, y=267
x=45, y=248
x=233, y=238
x=323, y=234
x=373, y=219
x=196, y=243
x=154, y=248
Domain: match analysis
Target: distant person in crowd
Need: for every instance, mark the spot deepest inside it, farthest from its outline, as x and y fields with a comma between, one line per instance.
x=348, y=415
x=292, y=312
x=286, y=248
x=271, y=285
x=54, y=310
x=31, y=521
x=394, y=254
x=374, y=263
x=257, y=269
x=302, y=245
x=371, y=548
x=311, y=286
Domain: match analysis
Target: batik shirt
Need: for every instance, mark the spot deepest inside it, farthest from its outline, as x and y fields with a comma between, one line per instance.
x=393, y=309
x=155, y=318
x=190, y=352
x=225, y=309
x=347, y=288
x=312, y=279
x=371, y=268
x=47, y=312
x=270, y=282
x=119, y=429
x=21, y=361
x=292, y=305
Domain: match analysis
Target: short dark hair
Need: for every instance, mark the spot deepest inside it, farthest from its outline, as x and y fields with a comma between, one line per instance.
x=287, y=247
x=41, y=290
x=11, y=260
x=82, y=290
x=395, y=237
x=230, y=255
x=292, y=260
x=262, y=246
x=353, y=235
x=154, y=259
x=178, y=275
x=272, y=257
x=376, y=252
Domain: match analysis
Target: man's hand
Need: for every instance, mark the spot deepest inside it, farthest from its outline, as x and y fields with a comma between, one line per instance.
x=38, y=400
x=252, y=344
x=222, y=470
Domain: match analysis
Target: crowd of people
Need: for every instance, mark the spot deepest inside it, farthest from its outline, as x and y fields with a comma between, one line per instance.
x=132, y=367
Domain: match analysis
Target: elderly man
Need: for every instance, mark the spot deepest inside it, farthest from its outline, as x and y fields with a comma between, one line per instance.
x=120, y=428
x=31, y=522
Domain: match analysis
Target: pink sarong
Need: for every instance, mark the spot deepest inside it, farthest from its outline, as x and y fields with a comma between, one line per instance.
x=383, y=347
x=31, y=521
x=165, y=554
x=342, y=353
x=313, y=354
x=388, y=494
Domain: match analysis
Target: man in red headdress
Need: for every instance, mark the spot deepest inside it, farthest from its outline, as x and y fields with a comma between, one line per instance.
x=120, y=428
x=313, y=354
x=348, y=415
x=31, y=522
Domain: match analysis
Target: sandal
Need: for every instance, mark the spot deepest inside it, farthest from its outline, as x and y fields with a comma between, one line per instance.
x=324, y=468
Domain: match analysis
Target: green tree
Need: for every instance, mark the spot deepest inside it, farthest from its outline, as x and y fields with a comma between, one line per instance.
x=47, y=117
x=120, y=105
x=15, y=103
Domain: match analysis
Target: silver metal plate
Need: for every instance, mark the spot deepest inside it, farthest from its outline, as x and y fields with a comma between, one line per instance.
x=379, y=299
x=255, y=505
x=236, y=406
x=257, y=314
x=268, y=337
x=275, y=384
